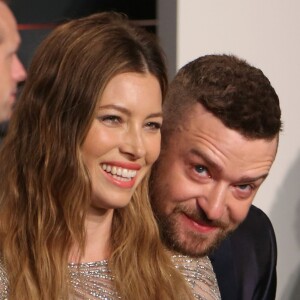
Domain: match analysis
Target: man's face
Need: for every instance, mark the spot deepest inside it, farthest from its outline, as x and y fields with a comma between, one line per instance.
x=205, y=181
x=11, y=69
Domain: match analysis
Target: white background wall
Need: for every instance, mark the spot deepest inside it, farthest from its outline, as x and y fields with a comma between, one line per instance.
x=267, y=34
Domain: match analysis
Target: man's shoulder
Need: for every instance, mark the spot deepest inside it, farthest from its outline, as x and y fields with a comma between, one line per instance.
x=252, y=241
x=245, y=262
x=257, y=225
x=258, y=216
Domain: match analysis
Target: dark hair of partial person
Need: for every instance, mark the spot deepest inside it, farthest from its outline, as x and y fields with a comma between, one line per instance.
x=240, y=95
x=44, y=184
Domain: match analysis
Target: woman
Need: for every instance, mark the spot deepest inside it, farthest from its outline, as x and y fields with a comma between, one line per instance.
x=74, y=169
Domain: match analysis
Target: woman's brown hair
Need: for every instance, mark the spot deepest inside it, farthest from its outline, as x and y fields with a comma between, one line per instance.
x=44, y=185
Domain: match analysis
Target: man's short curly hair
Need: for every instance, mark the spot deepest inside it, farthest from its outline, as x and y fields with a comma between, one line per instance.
x=237, y=93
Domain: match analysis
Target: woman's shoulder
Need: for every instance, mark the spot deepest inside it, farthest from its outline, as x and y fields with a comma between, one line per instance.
x=200, y=275
x=3, y=281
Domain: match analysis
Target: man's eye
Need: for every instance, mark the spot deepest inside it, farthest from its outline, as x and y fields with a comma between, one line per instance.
x=200, y=169
x=245, y=187
x=244, y=191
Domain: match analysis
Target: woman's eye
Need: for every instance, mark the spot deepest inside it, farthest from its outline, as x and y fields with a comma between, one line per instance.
x=153, y=125
x=110, y=119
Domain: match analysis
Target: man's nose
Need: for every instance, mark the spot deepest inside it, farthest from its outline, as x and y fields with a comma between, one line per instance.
x=133, y=144
x=18, y=71
x=213, y=202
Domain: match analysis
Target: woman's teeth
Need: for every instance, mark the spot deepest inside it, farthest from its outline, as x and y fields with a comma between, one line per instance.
x=126, y=173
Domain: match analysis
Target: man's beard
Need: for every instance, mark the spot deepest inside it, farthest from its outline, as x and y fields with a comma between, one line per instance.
x=193, y=244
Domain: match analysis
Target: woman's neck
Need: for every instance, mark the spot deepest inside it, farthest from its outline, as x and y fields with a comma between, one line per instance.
x=98, y=226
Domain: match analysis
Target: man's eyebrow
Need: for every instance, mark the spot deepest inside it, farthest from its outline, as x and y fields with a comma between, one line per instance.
x=247, y=179
x=206, y=158
x=210, y=162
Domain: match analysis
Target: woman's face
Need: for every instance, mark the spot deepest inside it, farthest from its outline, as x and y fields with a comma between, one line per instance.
x=124, y=139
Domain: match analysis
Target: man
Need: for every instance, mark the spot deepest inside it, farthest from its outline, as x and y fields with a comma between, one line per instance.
x=11, y=69
x=220, y=137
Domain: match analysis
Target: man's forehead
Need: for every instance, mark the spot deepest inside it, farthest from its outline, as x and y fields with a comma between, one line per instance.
x=2, y=24
x=8, y=26
x=7, y=20
x=1, y=36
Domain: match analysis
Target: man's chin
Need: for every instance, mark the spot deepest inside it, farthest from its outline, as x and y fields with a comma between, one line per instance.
x=199, y=251
x=194, y=243
x=4, y=118
x=6, y=112
x=196, y=247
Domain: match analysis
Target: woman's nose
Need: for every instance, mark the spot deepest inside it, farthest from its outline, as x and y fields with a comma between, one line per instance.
x=133, y=144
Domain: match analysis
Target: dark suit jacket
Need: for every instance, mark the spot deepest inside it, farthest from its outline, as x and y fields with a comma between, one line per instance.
x=245, y=262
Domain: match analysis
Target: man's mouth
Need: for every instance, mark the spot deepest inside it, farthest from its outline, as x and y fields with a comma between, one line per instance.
x=119, y=173
x=200, y=222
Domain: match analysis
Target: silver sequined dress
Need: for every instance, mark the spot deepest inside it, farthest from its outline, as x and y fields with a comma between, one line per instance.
x=94, y=280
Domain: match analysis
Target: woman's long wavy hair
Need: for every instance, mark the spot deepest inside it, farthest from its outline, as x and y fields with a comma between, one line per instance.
x=44, y=185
